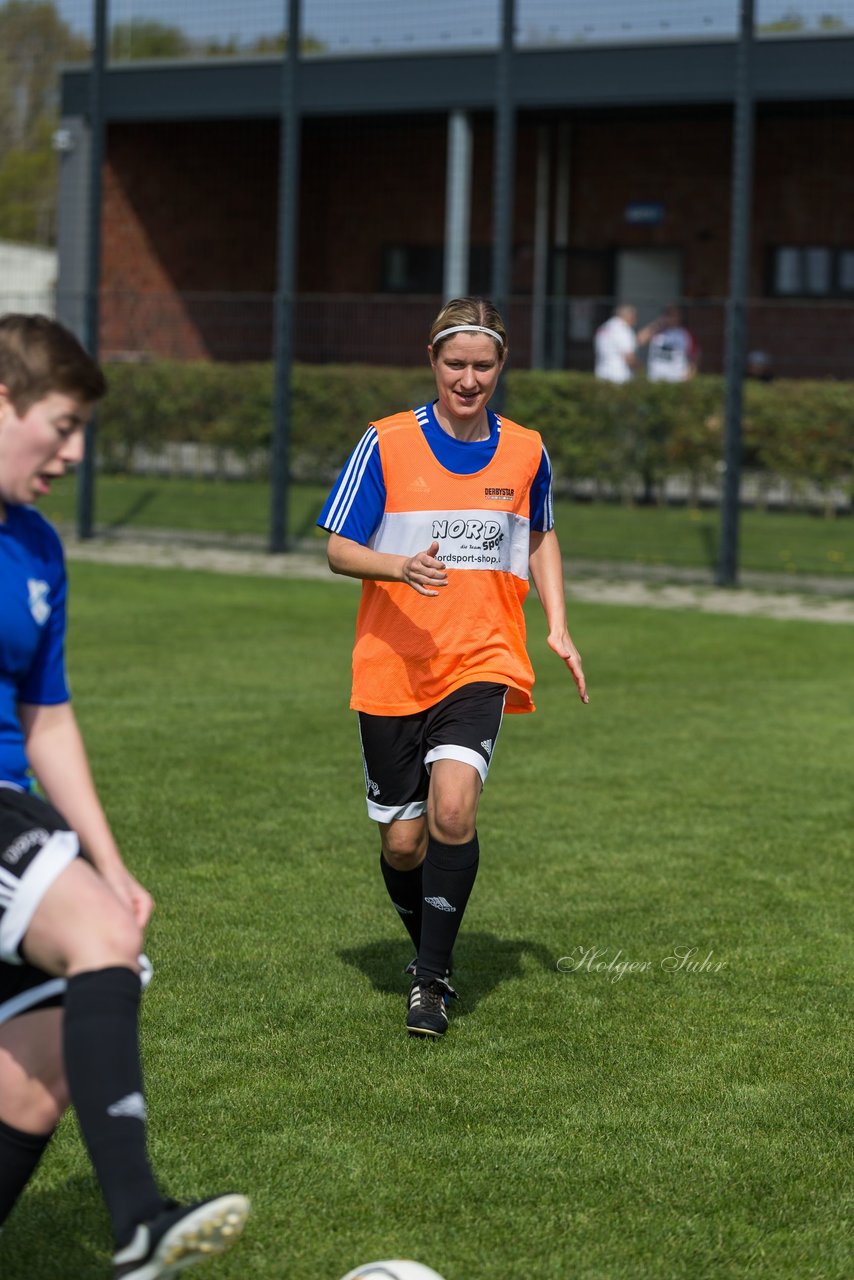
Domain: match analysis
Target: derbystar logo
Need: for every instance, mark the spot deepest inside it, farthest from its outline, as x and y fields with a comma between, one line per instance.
x=499, y=495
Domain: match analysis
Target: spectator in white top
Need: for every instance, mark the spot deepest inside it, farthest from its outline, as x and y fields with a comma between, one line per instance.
x=673, y=352
x=616, y=345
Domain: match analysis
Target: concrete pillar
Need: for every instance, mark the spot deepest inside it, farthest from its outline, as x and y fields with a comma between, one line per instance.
x=72, y=142
x=458, y=206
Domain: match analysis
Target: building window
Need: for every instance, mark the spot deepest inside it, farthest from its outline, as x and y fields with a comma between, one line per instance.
x=811, y=271
x=412, y=268
x=419, y=268
x=846, y=271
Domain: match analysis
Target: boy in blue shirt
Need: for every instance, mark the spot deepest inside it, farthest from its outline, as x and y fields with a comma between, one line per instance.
x=71, y=914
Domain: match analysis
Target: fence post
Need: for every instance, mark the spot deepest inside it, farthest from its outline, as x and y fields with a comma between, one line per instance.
x=736, y=326
x=86, y=472
x=283, y=318
x=505, y=159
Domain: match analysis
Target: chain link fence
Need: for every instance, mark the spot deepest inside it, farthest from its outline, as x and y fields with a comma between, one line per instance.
x=601, y=196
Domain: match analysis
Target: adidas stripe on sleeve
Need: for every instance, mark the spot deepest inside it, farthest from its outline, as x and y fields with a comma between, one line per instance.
x=542, y=502
x=356, y=504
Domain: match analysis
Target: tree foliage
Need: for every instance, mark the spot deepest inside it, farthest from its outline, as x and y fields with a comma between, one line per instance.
x=136, y=41
x=791, y=22
x=28, y=189
x=150, y=39
x=34, y=41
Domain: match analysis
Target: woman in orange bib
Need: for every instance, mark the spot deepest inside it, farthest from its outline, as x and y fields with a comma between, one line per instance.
x=443, y=512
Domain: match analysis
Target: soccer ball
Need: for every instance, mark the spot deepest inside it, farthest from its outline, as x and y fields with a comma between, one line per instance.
x=396, y=1269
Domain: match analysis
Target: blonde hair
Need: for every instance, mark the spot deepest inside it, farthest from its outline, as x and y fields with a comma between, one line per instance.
x=469, y=311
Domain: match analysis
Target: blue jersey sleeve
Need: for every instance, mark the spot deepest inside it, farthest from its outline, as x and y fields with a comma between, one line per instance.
x=356, y=504
x=542, y=504
x=45, y=683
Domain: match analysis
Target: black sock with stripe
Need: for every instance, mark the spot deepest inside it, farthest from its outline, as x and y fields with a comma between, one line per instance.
x=101, y=1046
x=449, y=873
x=404, y=889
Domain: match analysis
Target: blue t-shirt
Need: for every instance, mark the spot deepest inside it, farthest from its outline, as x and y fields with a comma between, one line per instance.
x=356, y=504
x=33, y=589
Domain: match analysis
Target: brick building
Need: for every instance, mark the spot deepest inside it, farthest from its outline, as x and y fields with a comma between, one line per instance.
x=622, y=189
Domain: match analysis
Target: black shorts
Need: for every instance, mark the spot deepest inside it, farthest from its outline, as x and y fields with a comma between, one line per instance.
x=397, y=751
x=36, y=844
x=24, y=988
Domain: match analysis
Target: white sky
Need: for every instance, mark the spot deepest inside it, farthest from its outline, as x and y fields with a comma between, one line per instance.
x=364, y=25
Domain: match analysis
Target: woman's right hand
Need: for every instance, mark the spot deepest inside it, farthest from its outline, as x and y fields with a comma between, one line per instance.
x=424, y=573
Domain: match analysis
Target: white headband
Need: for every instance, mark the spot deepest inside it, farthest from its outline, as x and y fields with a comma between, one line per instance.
x=469, y=328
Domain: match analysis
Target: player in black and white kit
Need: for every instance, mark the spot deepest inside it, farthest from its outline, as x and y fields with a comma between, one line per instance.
x=673, y=353
x=71, y=914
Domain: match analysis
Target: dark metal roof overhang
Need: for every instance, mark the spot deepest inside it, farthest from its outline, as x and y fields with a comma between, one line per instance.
x=785, y=70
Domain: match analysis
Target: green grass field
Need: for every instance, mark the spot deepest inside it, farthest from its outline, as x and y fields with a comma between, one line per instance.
x=778, y=542
x=667, y=1124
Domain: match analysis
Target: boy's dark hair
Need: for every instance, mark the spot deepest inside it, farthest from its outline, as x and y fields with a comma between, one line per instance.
x=38, y=355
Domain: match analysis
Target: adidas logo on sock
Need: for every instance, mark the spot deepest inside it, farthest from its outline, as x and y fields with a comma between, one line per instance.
x=402, y=911
x=441, y=904
x=133, y=1105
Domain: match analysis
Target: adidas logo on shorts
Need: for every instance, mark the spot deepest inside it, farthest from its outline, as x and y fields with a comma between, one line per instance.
x=487, y=746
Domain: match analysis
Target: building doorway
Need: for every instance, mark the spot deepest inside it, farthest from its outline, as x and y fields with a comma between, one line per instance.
x=649, y=279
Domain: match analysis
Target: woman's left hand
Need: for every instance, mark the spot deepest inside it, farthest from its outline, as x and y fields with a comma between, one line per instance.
x=130, y=892
x=561, y=643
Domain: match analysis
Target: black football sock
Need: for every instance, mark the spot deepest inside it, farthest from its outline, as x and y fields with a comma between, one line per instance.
x=449, y=872
x=404, y=889
x=101, y=1045
x=19, y=1154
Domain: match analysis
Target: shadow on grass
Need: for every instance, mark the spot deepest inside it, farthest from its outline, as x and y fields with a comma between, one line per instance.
x=482, y=962
x=133, y=510
x=46, y=1235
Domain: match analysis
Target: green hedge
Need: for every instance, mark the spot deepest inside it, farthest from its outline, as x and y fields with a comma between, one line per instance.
x=798, y=432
